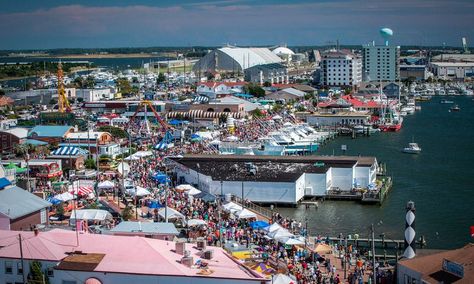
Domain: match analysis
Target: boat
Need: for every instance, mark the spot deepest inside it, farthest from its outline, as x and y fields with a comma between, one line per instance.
x=455, y=108
x=412, y=148
x=446, y=102
x=390, y=127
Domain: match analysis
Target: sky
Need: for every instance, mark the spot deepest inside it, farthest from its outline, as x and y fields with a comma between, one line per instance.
x=46, y=24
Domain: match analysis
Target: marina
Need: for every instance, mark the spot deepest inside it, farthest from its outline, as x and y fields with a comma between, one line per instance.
x=207, y=152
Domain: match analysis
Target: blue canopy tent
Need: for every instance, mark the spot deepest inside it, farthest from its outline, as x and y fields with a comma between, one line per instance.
x=54, y=201
x=154, y=204
x=259, y=225
x=160, y=177
x=175, y=122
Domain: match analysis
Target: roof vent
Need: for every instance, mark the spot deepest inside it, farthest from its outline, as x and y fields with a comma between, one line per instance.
x=180, y=248
x=188, y=261
x=207, y=254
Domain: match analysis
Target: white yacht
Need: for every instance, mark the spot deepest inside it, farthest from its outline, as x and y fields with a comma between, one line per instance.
x=412, y=148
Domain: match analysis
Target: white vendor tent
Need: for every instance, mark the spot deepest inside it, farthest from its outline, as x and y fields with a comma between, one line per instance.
x=66, y=196
x=273, y=227
x=138, y=191
x=193, y=191
x=196, y=222
x=142, y=154
x=91, y=214
x=245, y=214
x=106, y=185
x=293, y=241
x=283, y=279
x=232, y=207
x=172, y=213
x=279, y=234
x=123, y=168
x=185, y=187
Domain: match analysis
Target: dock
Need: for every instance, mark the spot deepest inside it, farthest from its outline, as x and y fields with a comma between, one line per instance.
x=368, y=197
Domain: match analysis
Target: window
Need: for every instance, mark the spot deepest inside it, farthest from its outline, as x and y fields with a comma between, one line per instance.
x=19, y=268
x=8, y=267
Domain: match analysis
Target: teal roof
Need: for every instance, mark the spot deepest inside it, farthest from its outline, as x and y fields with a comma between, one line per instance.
x=35, y=142
x=49, y=131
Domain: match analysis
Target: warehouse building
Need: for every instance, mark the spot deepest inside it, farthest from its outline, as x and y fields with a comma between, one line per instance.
x=274, y=179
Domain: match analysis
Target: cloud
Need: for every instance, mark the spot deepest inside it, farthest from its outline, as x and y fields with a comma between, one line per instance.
x=237, y=21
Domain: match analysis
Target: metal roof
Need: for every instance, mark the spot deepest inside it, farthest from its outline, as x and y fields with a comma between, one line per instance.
x=18, y=132
x=146, y=228
x=248, y=57
x=49, y=130
x=16, y=202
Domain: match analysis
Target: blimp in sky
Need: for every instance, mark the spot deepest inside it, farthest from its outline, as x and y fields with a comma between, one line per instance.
x=386, y=33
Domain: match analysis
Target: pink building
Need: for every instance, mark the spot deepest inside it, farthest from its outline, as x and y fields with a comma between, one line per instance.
x=98, y=258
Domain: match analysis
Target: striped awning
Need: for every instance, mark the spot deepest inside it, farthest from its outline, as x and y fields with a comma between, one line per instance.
x=203, y=114
x=201, y=99
x=68, y=151
x=83, y=190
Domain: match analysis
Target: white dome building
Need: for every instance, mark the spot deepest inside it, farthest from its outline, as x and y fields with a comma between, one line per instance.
x=284, y=53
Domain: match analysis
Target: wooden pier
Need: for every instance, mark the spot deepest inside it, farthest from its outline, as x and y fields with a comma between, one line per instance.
x=368, y=197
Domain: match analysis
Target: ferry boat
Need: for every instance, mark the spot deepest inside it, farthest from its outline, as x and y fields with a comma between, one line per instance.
x=412, y=148
x=446, y=102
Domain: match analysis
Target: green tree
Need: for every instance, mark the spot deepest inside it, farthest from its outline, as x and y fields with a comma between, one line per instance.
x=115, y=131
x=79, y=82
x=124, y=86
x=267, y=84
x=90, y=164
x=127, y=213
x=89, y=83
x=36, y=274
x=2, y=93
x=161, y=78
x=254, y=90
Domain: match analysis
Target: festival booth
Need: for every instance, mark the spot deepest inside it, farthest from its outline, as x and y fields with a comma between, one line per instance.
x=106, y=185
x=283, y=279
x=137, y=191
x=82, y=188
x=257, y=225
x=232, y=207
x=196, y=222
x=245, y=214
x=172, y=214
x=160, y=177
x=84, y=217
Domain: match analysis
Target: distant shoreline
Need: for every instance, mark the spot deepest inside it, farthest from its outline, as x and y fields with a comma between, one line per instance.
x=101, y=56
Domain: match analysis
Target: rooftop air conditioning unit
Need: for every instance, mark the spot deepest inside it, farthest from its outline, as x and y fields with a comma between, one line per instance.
x=180, y=248
x=208, y=254
x=201, y=244
x=188, y=261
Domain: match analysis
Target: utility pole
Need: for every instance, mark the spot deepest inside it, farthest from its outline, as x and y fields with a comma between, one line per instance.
x=373, y=255
x=28, y=187
x=166, y=203
x=243, y=201
x=22, y=260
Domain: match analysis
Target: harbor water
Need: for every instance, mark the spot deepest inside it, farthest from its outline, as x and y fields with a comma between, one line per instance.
x=440, y=180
